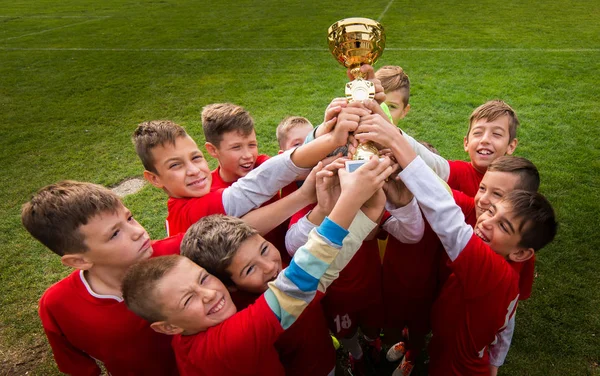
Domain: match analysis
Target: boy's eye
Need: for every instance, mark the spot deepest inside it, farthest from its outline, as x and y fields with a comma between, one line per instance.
x=481, y=188
x=477, y=133
x=498, y=134
x=173, y=165
x=130, y=218
x=187, y=301
x=197, y=157
x=498, y=194
x=114, y=235
x=237, y=147
x=503, y=227
x=203, y=279
x=249, y=270
x=264, y=250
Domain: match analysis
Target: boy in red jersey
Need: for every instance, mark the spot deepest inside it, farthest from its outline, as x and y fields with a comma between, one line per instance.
x=174, y=163
x=231, y=139
x=83, y=315
x=182, y=299
x=480, y=296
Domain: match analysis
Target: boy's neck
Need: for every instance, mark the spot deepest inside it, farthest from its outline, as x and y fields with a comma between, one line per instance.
x=477, y=169
x=105, y=281
x=227, y=177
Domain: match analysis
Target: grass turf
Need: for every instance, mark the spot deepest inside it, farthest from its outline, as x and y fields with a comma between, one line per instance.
x=77, y=76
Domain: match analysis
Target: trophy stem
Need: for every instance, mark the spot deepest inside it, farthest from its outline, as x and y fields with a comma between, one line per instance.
x=356, y=73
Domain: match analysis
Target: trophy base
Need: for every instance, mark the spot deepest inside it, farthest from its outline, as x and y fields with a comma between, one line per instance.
x=360, y=90
x=352, y=166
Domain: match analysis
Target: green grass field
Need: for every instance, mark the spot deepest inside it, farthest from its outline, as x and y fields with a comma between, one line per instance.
x=77, y=76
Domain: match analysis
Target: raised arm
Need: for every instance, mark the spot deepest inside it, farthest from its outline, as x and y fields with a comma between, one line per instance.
x=436, y=202
x=378, y=119
x=261, y=184
x=266, y=218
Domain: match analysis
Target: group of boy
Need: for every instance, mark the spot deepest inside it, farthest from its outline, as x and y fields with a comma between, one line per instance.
x=232, y=290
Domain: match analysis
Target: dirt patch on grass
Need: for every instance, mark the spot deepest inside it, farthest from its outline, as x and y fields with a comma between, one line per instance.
x=22, y=360
x=129, y=186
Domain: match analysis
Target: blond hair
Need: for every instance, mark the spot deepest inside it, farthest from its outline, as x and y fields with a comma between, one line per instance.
x=221, y=118
x=491, y=111
x=286, y=125
x=151, y=134
x=213, y=241
x=394, y=78
x=56, y=212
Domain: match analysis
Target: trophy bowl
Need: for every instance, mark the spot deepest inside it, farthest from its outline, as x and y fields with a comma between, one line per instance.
x=356, y=41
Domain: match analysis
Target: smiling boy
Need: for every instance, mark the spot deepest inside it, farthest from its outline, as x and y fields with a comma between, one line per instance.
x=173, y=163
x=492, y=133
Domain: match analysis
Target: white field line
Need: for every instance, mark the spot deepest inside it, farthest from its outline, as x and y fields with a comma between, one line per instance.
x=385, y=11
x=315, y=49
x=54, y=28
x=42, y=16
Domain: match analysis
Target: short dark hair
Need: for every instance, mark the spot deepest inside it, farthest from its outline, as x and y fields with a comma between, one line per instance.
x=529, y=177
x=139, y=286
x=151, y=134
x=538, y=222
x=56, y=212
x=213, y=241
x=221, y=118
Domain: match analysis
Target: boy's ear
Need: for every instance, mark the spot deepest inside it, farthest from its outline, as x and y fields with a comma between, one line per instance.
x=466, y=143
x=164, y=327
x=405, y=111
x=521, y=255
x=153, y=179
x=212, y=150
x=512, y=146
x=76, y=261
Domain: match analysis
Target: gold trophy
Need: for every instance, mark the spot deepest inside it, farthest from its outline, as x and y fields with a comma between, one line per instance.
x=354, y=42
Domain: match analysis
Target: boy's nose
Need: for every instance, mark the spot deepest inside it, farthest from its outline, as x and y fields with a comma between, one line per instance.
x=192, y=169
x=484, y=199
x=269, y=267
x=208, y=295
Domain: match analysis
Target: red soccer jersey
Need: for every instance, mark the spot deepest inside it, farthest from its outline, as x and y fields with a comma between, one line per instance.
x=305, y=348
x=277, y=235
x=473, y=306
x=240, y=345
x=184, y=212
x=464, y=177
x=410, y=275
x=82, y=326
